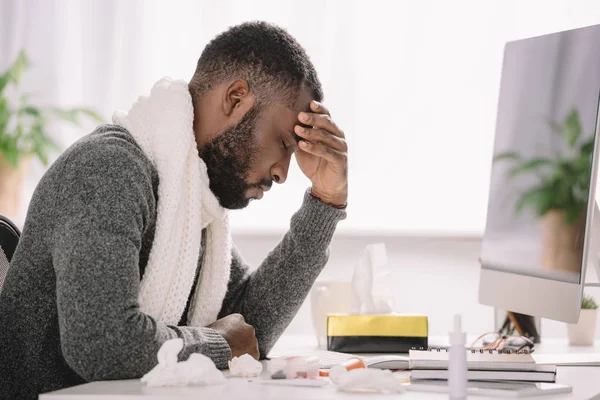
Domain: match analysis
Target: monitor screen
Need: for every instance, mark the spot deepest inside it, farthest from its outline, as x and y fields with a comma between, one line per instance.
x=542, y=163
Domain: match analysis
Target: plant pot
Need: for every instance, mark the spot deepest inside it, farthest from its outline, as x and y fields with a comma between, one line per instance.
x=583, y=332
x=562, y=244
x=11, y=188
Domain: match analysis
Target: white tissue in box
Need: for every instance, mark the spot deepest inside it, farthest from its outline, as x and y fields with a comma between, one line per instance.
x=370, y=281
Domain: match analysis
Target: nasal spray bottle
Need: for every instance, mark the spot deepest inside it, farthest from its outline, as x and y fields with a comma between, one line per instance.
x=457, y=365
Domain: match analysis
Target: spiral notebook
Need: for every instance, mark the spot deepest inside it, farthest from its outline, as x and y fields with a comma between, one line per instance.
x=483, y=360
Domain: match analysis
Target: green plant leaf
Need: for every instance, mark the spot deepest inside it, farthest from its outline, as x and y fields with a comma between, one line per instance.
x=29, y=134
x=66, y=115
x=582, y=163
x=564, y=174
x=73, y=115
x=565, y=182
x=562, y=191
x=30, y=110
x=572, y=128
x=572, y=214
x=587, y=148
x=4, y=115
x=508, y=155
x=14, y=72
x=3, y=81
x=11, y=154
x=42, y=154
x=19, y=67
x=530, y=165
x=588, y=302
x=545, y=202
x=538, y=197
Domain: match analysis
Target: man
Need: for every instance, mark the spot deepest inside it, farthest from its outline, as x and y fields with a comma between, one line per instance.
x=126, y=241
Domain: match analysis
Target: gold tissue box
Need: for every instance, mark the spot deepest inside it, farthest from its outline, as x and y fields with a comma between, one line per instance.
x=376, y=333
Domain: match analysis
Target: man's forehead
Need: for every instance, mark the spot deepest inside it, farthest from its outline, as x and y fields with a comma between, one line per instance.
x=303, y=100
x=289, y=114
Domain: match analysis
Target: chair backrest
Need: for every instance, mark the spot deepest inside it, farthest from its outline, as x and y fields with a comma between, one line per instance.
x=9, y=238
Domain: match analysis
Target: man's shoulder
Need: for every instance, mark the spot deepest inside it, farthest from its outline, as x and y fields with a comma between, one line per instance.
x=110, y=148
x=107, y=141
x=109, y=153
x=108, y=133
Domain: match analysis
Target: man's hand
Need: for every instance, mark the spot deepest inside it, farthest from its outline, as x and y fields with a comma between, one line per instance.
x=323, y=155
x=238, y=334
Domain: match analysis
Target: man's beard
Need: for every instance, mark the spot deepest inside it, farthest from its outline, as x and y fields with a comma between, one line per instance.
x=229, y=158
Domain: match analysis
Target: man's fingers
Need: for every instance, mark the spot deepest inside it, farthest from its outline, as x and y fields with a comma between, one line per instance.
x=322, y=121
x=254, y=350
x=326, y=152
x=317, y=107
x=317, y=135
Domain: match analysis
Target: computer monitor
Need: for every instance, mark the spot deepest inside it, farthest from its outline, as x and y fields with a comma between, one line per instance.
x=542, y=214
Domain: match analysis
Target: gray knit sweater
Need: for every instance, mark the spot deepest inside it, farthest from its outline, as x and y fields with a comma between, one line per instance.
x=69, y=310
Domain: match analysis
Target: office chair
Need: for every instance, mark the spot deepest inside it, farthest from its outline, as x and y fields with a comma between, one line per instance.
x=9, y=238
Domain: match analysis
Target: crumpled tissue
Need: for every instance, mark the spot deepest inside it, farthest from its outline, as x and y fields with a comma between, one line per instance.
x=370, y=281
x=365, y=380
x=197, y=369
x=246, y=366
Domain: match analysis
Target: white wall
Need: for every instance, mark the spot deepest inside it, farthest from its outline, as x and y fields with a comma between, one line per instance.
x=435, y=276
x=413, y=83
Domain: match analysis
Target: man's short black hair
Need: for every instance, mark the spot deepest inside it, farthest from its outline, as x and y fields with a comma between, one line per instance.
x=272, y=62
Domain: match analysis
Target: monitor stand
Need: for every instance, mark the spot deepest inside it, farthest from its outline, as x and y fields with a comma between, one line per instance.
x=584, y=358
x=593, y=255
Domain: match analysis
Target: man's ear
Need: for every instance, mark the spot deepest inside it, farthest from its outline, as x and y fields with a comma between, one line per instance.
x=238, y=98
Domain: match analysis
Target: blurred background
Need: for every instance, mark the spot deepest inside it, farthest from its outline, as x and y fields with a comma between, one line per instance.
x=414, y=84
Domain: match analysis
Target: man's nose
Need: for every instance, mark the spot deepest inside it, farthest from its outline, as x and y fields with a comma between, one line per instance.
x=279, y=171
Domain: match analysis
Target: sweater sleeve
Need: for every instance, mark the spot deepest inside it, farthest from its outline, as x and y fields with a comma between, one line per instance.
x=270, y=297
x=103, y=205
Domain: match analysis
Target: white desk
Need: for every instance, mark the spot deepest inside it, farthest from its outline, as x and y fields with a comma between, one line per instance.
x=585, y=382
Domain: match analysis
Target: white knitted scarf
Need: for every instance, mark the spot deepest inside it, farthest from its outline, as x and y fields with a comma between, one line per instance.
x=162, y=125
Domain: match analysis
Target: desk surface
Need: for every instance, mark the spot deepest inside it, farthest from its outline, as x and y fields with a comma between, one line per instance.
x=585, y=382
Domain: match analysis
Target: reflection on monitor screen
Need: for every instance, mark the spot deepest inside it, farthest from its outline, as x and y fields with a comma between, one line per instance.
x=541, y=173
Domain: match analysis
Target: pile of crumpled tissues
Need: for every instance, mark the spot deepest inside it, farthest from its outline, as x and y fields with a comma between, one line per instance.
x=201, y=370
x=197, y=369
x=365, y=380
x=245, y=366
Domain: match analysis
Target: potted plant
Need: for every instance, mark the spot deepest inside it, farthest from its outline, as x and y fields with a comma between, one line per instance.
x=583, y=332
x=560, y=196
x=24, y=134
